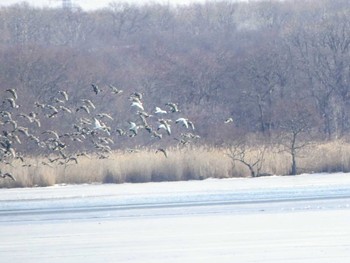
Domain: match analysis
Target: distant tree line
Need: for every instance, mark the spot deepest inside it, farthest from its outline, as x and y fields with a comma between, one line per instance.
x=275, y=67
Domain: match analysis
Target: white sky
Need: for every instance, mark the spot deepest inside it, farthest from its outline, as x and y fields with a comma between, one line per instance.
x=92, y=4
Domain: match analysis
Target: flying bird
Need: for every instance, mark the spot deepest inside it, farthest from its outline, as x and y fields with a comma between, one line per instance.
x=173, y=107
x=95, y=88
x=98, y=125
x=165, y=127
x=160, y=111
x=63, y=108
x=115, y=90
x=13, y=93
x=190, y=123
x=39, y=105
x=156, y=135
x=54, y=111
x=7, y=175
x=83, y=107
x=144, y=114
x=12, y=103
x=138, y=105
x=133, y=128
x=64, y=94
x=121, y=132
x=228, y=120
x=88, y=103
x=52, y=133
x=25, y=116
x=105, y=115
x=136, y=95
x=184, y=122
x=163, y=151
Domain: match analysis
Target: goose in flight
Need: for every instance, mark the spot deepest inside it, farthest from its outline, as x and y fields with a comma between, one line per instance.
x=39, y=105
x=165, y=126
x=156, y=135
x=163, y=151
x=115, y=90
x=84, y=154
x=133, y=128
x=7, y=175
x=105, y=115
x=53, y=109
x=190, y=123
x=23, y=130
x=228, y=120
x=160, y=111
x=173, y=107
x=57, y=100
x=138, y=105
x=12, y=122
x=23, y=115
x=98, y=125
x=12, y=103
x=83, y=107
x=13, y=93
x=144, y=114
x=95, y=88
x=52, y=133
x=63, y=108
x=184, y=122
x=88, y=103
x=64, y=94
x=137, y=95
x=121, y=132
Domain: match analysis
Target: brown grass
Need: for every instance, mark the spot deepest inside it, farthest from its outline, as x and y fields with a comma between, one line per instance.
x=182, y=164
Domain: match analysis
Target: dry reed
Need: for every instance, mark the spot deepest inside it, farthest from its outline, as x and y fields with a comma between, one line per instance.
x=182, y=164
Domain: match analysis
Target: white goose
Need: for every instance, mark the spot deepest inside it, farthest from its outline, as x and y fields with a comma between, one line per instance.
x=133, y=127
x=166, y=127
x=184, y=122
x=160, y=111
x=137, y=104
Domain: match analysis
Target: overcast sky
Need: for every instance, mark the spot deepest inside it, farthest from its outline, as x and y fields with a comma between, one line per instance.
x=93, y=4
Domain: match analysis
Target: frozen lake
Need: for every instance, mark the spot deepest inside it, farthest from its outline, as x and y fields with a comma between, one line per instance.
x=269, y=219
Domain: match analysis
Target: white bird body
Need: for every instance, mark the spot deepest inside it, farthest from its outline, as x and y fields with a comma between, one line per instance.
x=13, y=93
x=138, y=105
x=228, y=120
x=184, y=121
x=12, y=103
x=101, y=126
x=160, y=111
x=88, y=103
x=173, y=107
x=64, y=94
x=115, y=90
x=165, y=127
x=98, y=125
x=133, y=127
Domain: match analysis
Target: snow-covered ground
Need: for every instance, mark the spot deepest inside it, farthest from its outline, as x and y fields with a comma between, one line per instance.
x=268, y=219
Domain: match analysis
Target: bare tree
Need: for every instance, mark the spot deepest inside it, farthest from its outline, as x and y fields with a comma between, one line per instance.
x=251, y=157
x=322, y=49
x=295, y=130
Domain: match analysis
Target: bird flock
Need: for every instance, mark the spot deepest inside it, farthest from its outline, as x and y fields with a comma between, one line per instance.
x=91, y=132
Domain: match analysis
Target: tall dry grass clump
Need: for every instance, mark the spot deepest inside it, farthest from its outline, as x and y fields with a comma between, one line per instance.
x=193, y=163
x=327, y=157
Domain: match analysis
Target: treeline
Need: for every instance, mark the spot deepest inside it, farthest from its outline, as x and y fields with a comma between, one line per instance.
x=273, y=67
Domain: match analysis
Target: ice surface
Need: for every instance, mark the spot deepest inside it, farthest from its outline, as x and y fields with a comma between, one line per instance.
x=301, y=218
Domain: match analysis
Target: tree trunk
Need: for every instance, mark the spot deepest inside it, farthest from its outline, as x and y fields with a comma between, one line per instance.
x=294, y=165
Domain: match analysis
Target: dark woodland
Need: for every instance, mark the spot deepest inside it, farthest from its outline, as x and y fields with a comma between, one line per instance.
x=267, y=68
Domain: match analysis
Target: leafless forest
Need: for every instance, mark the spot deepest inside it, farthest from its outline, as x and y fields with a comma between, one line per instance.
x=266, y=75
